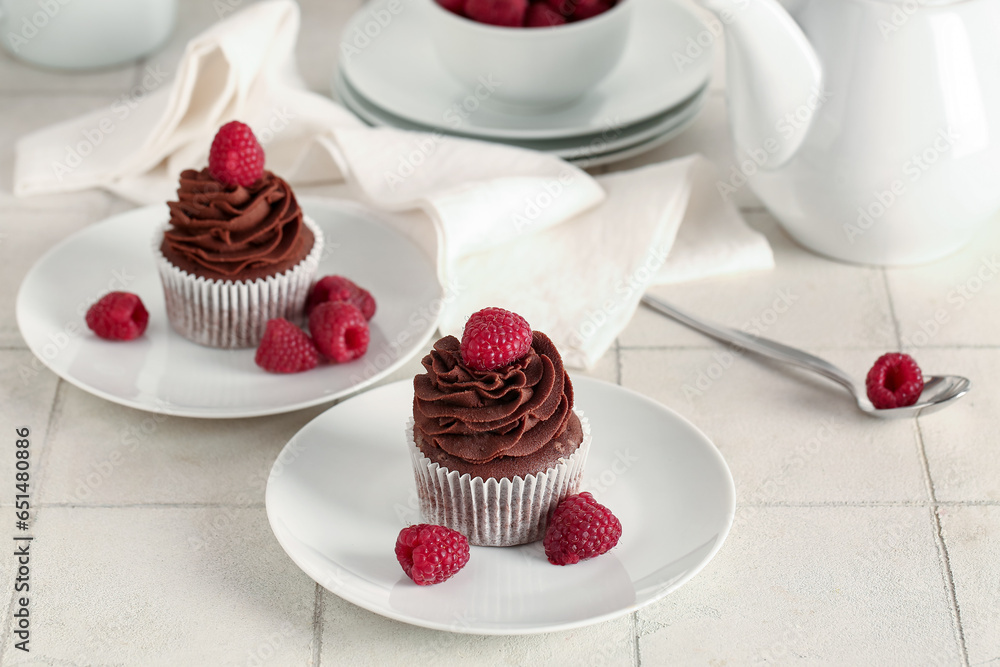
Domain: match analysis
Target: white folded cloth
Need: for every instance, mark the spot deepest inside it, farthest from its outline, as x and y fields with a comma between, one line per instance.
x=512, y=228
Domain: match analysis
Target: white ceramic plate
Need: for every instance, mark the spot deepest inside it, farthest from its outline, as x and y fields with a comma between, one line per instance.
x=400, y=72
x=590, y=149
x=163, y=372
x=342, y=488
x=645, y=146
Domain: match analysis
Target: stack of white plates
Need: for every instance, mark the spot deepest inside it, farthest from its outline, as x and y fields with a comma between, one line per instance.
x=390, y=75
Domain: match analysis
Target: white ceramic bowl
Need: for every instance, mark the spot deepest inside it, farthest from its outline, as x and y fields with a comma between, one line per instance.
x=84, y=34
x=529, y=67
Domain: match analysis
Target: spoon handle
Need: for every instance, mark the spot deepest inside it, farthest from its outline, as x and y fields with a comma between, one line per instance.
x=761, y=346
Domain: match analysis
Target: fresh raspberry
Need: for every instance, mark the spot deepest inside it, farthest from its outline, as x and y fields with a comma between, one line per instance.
x=339, y=330
x=494, y=337
x=564, y=7
x=509, y=13
x=285, y=348
x=431, y=554
x=118, y=316
x=895, y=381
x=580, y=528
x=339, y=288
x=586, y=9
x=235, y=157
x=541, y=15
x=454, y=6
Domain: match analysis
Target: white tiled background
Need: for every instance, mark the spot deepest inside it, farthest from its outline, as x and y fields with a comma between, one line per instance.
x=857, y=541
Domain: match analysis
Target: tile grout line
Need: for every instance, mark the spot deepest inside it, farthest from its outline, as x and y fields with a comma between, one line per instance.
x=140, y=67
x=636, y=655
x=942, y=548
x=57, y=398
x=618, y=362
x=892, y=308
x=92, y=92
x=317, y=652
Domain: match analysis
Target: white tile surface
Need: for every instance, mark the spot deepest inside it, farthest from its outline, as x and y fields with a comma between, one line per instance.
x=814, y=586
x=961, y=442
x=17, y=76
x=955, y=301
x=786, y=436
x=973, y=538
x=128, y=586
x=135, y=457
x=27, y=393
x=353, y=636
x=25, y=235
x=153, y=547
x=806, y=301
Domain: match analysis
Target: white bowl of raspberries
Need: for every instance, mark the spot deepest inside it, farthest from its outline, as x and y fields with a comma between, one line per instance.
x=534, y=54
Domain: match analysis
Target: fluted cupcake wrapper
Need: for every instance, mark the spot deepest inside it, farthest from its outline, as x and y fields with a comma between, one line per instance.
x=495, y=513
x=234, y=314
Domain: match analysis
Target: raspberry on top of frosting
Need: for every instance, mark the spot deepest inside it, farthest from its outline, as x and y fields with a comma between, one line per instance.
x=479, y=416
x=226, y=230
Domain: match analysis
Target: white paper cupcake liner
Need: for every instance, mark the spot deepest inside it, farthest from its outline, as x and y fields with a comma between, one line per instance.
x=234, y=314
x=495, y=513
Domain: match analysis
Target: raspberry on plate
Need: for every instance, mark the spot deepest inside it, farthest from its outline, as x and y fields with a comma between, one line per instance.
x=431, y=554
x=895, y=381
x=339, y=330
x=493, y=338
x=339, y=288
x=509, y=13
x=236, y=158
x=285, y=348
x=580, y=528
x=118, y=316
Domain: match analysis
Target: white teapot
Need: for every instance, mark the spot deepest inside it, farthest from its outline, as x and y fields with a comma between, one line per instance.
x=870, y=128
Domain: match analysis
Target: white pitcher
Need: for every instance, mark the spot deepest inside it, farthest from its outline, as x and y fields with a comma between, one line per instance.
x=84, y=34
x=870, y=128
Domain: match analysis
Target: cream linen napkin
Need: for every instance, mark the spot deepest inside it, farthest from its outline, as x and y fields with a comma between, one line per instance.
x=510, y=227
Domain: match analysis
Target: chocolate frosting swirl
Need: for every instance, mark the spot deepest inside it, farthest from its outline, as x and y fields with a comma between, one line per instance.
x=229, y=229
x=479, y=416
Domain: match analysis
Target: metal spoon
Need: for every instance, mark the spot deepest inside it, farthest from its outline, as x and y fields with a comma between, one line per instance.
x=939, y=390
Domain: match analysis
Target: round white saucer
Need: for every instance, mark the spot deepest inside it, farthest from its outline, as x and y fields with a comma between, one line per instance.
x=163, y=372
x=591, y=149
x=342, y=489
x=399, y=71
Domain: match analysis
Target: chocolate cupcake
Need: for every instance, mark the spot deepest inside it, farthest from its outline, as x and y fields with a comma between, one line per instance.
x=234, y=256
x=494, y=451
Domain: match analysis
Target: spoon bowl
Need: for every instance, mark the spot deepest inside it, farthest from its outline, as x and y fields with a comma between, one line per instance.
x=939, y=391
